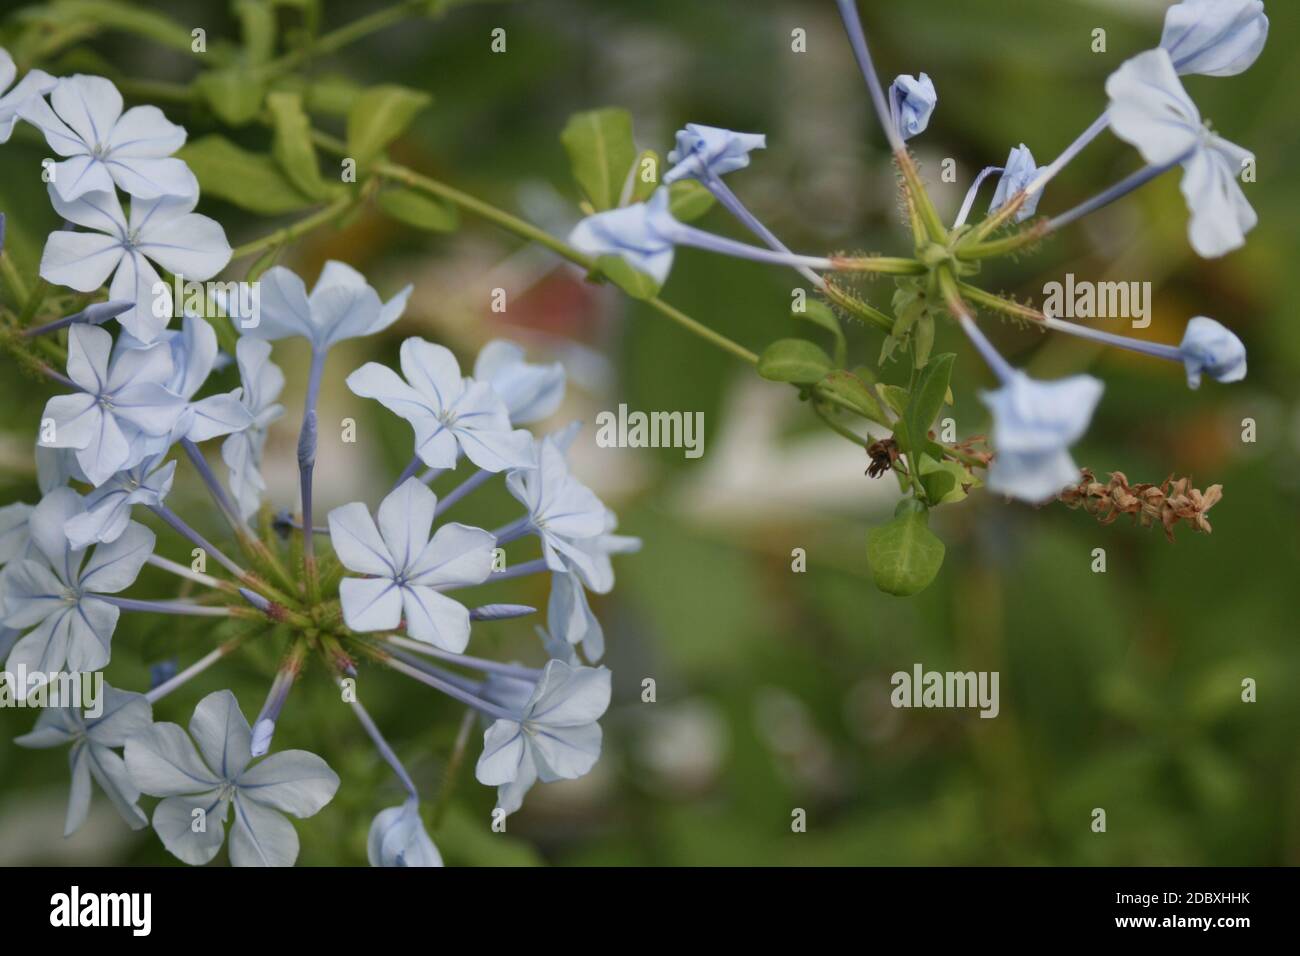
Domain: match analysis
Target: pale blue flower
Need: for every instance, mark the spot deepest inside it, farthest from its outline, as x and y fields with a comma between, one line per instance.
x=342, y=305
x=407, y=568
x=704, y=152
x=105, y=148
x=262, y=381
x=95, y=742
x=120, y=401
x=1034, y=425
x=568, y=614
x=199, y=785
x=562, y=511
x=163, y=230
x=1215, y=37
x=1209, y=348
x=36, y=83
x=108, y=507
x=555, y=737
x=450, y=414
x=530, y=392
x=1018, y=173
x=15, y=540
x=55, y=596
x=643, y=234
x=194, y=356
x=911, y=103
x=398, y=838
x=1150, y=109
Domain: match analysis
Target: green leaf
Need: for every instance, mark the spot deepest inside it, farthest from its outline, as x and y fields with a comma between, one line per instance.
x=419, y=210
x=249, y=180
x=235, y=94
x=904, y=554
x=895, y=397
x=819, y=313
x=945, y=482
x=794, y=360
x=601, y=153
x=852, y=390
x=631, y=280
x=645, y=176
x=130, y=18
x=688, y=200
x=292, y=147
x=927, y=399
x=923, y=340
x=379, y=116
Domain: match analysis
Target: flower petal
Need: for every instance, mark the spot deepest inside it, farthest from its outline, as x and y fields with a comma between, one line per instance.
x=357, y=542
x=457, y=556
x=192, y=828
x=405, y=517
x=292, y=781
x=114, y=567
x=222, y=734
x=371, y=604
x=163, y=762
x=261, y=837
x=435, y=618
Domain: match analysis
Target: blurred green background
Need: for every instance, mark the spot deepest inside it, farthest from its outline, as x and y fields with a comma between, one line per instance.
x=1119, y=690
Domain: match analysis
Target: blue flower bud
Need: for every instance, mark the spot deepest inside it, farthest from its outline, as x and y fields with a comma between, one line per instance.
x=1019, y=173
x=706, y=151
x=1215, y=37
x=1209, y=348
x=307, y=442
x=911, y=102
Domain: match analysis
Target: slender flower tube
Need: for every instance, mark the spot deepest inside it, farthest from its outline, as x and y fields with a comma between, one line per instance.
x=646, y=236
x=1207, y=348
x=178, y=525
x=385, y=751
x=705, y=154
x=166, y=607
x=858, y=40
x=465, y=660
x=264, y=726
x=1107, y=196
x=1048, y=172
x=969, y=202
x=96, y=314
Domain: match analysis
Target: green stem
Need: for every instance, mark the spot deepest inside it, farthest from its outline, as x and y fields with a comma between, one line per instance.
x=453, y=766
x=884, y=265
x=486, y=210
x=527, y=230
x=1001, y=247
x=296, y=231
x=33, y=302
x=13, y=279
x=859, y=309
x=1014, y=309
x=916, y=191
x=335, y=40
x=839, y=429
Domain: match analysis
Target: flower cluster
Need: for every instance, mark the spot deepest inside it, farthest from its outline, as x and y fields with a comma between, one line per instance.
x=1167, y=504
x=1034, y=423
x=381, y=593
